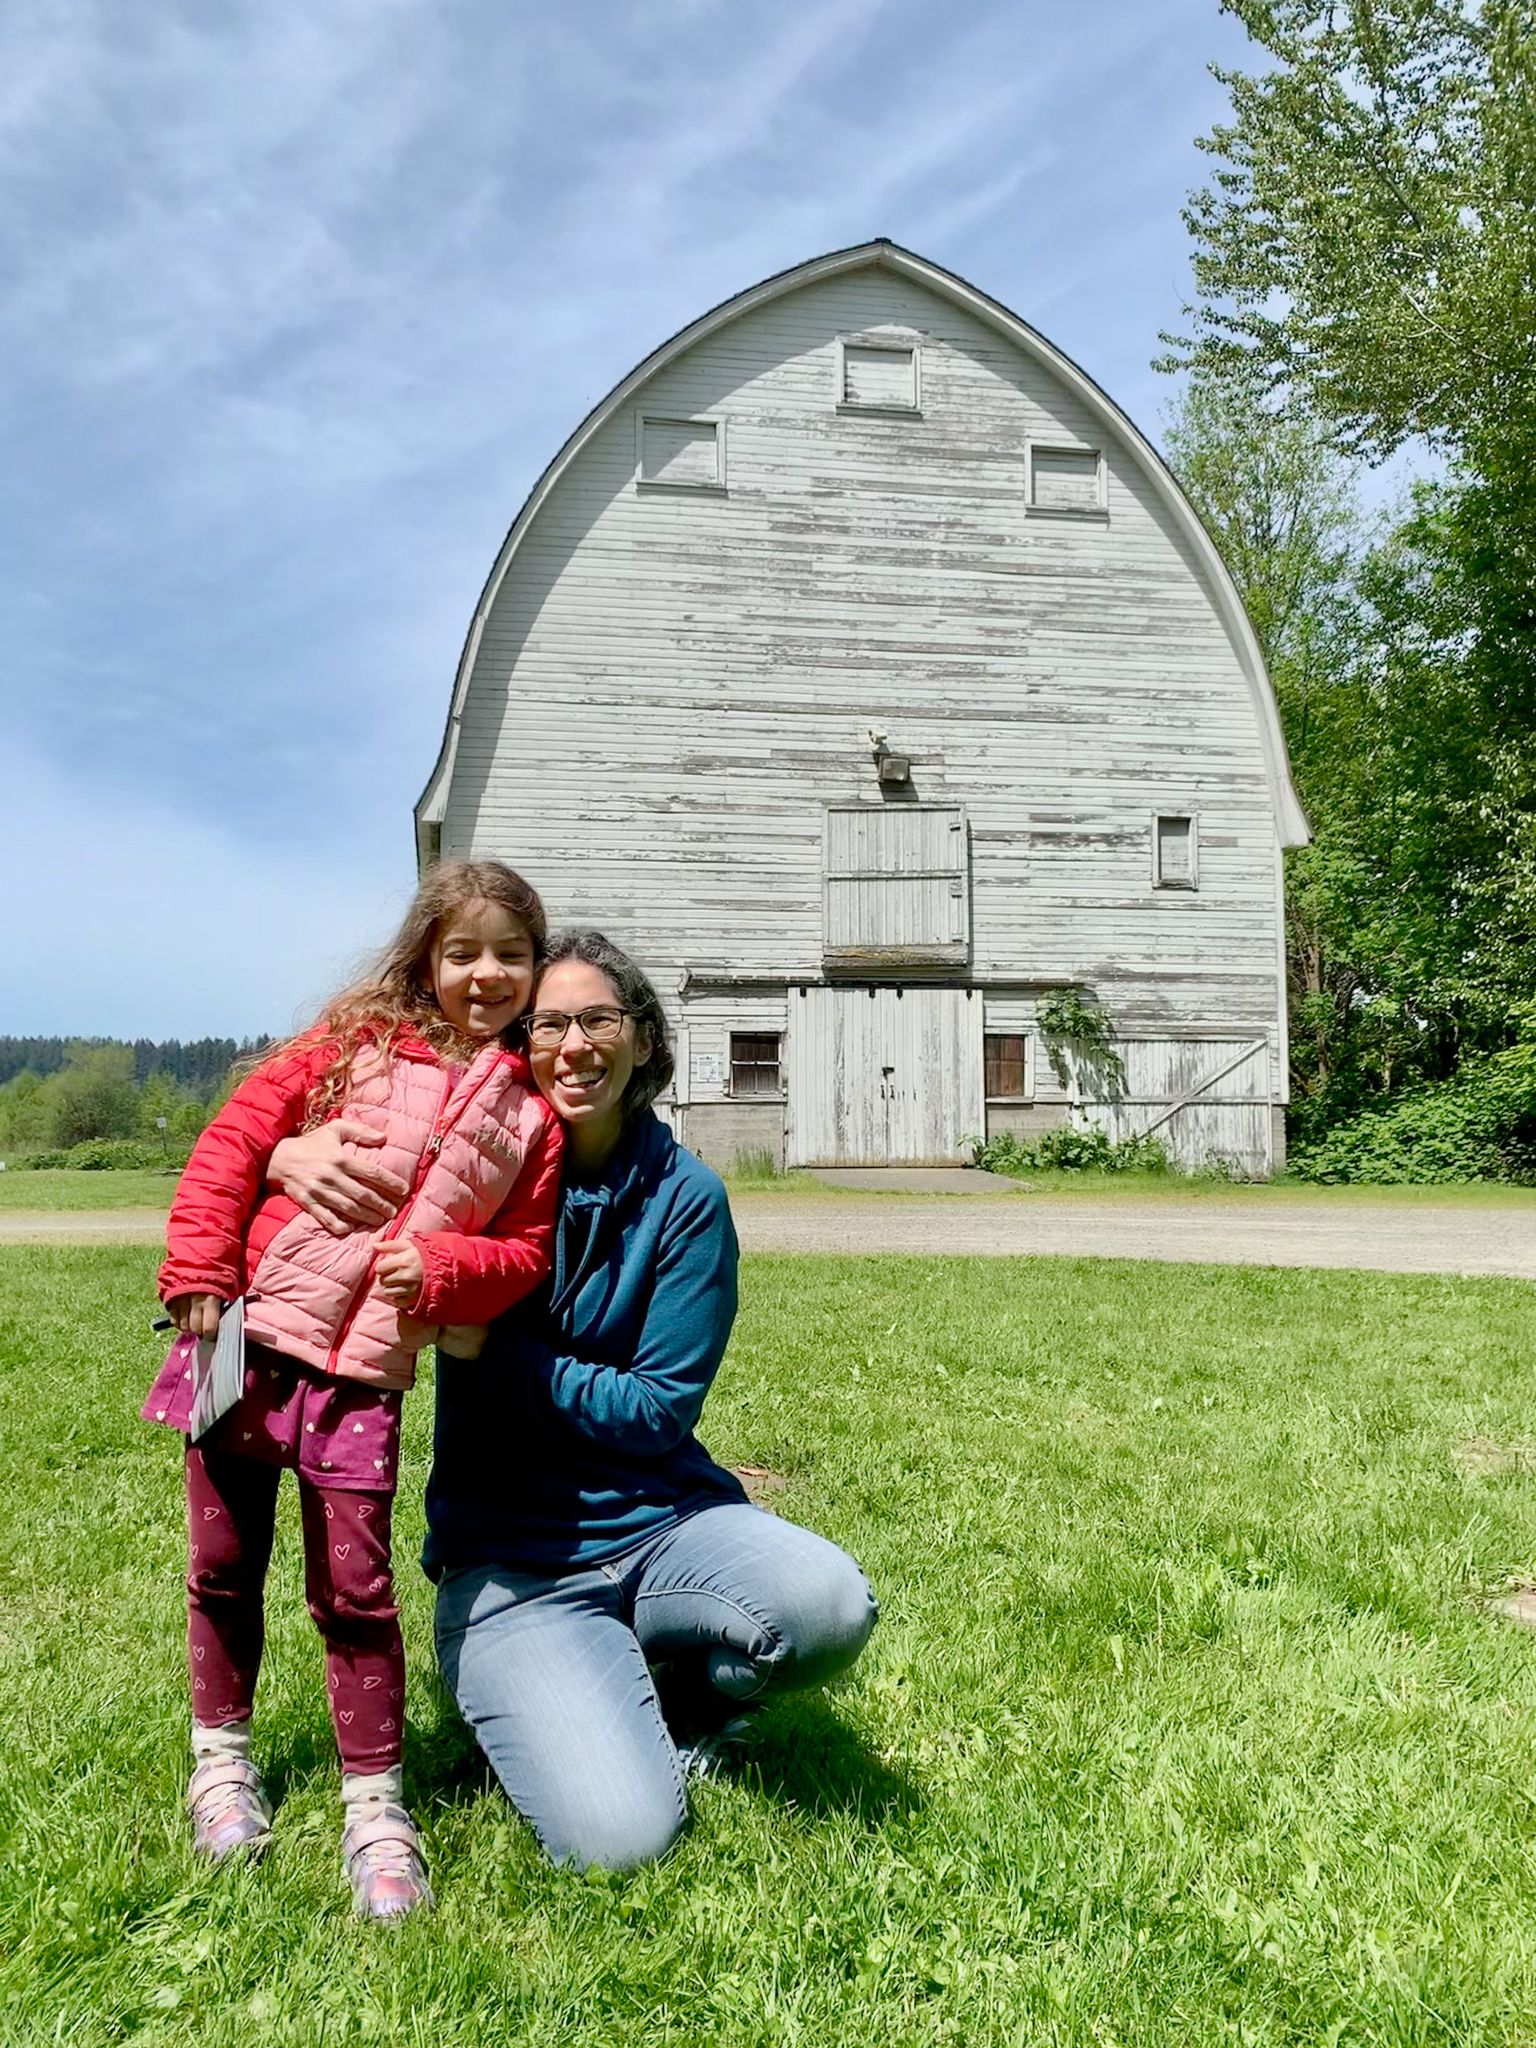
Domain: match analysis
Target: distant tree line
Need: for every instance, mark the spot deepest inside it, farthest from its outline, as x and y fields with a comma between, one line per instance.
x=196, y=1063
x=57, y=1093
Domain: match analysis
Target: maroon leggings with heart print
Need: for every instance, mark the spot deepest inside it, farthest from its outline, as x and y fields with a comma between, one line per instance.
x=231, y=1510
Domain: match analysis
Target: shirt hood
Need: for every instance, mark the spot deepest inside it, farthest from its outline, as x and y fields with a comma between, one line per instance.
x=589, y=1208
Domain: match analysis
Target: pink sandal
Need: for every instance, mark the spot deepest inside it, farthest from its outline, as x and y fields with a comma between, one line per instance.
x=384, y=1866
x=230, y=1813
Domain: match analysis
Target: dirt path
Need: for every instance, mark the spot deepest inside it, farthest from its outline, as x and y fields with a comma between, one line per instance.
x=1385, y=1239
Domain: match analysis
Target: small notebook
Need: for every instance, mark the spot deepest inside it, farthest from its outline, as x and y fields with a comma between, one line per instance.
x=220, y=1372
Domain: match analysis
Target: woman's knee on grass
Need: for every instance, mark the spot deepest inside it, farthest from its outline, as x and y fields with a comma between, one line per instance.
x=613, y=1826
x=822, y=1618
x=830, y=1631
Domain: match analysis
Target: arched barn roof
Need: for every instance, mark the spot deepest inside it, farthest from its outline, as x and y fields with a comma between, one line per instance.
x=1290, y=819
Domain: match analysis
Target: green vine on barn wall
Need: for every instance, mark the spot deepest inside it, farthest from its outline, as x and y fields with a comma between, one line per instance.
x=1073, y=1027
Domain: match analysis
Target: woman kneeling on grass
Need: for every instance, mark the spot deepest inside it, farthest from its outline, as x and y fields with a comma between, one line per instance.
x=610, y=1605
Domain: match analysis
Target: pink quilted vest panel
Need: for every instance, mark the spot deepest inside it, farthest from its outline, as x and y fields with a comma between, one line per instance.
x=312, y=1295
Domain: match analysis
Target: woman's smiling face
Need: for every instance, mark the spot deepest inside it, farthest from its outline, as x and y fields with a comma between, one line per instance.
x=585, y=1083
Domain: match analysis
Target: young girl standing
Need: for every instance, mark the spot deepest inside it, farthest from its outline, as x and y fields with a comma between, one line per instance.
x=418, y=1051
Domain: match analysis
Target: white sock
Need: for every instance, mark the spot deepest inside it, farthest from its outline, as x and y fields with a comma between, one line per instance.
x=366, y=1794
x=220, y=1745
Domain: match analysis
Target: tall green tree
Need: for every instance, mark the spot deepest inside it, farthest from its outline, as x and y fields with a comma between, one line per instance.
x=1365, y=258
x=1368, y=239
x=184, y=1113
x=1279, y=502
x=92, y=1095
x=1366, y=250
x=1280, y=505
x=26, y=1122
x=1448, y=726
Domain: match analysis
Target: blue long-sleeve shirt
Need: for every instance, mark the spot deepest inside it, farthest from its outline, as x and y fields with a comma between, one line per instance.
x=571, y=1437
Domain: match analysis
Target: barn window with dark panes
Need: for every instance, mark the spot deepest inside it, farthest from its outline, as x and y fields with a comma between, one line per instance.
x=755, y=1063
x=1007, y=1070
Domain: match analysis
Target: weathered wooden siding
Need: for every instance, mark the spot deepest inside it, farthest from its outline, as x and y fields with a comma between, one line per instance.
x=703, y=1025
x=1206, y=1100
x=673, y=684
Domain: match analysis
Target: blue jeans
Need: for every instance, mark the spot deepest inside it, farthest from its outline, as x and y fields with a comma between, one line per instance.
x=552, y=1673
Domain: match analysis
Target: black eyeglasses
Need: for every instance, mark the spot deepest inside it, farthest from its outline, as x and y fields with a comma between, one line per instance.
x=599, y=1025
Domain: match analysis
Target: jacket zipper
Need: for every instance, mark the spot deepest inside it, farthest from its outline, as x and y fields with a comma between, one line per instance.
x=441, y=1126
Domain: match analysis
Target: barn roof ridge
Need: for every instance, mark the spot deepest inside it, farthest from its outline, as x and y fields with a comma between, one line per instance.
x=882, y=250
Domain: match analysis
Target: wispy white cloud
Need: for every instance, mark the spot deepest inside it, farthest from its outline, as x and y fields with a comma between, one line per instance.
x=204, y=181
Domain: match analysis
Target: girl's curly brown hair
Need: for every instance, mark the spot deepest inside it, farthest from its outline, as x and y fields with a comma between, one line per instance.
x=396, y=995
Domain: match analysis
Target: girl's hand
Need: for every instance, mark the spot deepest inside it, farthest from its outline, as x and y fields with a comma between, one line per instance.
x=331, y=1180
x=196, y=1315
x=399, y=1272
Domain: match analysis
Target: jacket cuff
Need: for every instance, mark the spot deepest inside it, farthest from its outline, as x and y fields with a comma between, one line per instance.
x=175, y=1280
x=437, y=1276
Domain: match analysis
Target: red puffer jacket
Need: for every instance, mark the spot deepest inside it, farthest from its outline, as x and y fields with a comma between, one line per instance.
x=480, y=1151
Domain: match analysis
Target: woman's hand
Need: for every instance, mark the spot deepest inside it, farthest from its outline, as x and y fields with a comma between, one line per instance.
x=332, y=1180
x=399, y=1271
x=196, y=1315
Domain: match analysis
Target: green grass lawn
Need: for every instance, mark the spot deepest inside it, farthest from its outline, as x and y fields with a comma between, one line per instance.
x=68, y=1187
x=1183, y=1724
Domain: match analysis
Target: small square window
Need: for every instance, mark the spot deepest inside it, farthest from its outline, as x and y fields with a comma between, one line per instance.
x=1006, y=1056
x=755, y=1063
x=1066, y=480
x=680, y=455
x=878, y=377
x=1174, y=853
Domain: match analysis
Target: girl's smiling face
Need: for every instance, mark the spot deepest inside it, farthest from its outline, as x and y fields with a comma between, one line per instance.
x=482, y=969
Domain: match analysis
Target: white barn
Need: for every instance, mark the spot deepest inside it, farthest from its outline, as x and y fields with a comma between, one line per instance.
x=860, y=667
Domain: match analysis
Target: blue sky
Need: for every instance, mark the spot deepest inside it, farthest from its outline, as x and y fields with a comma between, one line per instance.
x=297, y=301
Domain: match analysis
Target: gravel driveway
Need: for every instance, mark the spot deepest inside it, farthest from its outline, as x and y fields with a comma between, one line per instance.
x=1378, y=1237
x=1382, y=1238
x=82, y=1226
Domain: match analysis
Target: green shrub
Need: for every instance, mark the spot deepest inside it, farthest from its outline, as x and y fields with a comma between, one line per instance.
x=99, y=1155
x=1070, y=1150
x=1479, y=1125
x=754, y=1162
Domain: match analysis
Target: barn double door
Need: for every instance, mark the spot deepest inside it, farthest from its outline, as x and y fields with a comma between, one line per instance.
x=883, y=1076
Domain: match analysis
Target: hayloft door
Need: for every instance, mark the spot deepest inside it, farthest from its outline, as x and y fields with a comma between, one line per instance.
x=883, y=1076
